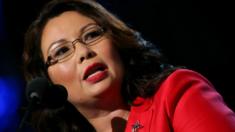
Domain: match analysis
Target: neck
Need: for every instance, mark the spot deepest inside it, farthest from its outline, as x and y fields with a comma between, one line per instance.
x=109, y=118
x=113, y=121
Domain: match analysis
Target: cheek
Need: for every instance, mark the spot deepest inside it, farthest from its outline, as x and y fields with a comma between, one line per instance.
x=112, y=57
x=66, y=76
x=60, y=74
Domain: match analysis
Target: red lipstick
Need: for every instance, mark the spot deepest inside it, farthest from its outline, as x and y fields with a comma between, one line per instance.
x=95, y=72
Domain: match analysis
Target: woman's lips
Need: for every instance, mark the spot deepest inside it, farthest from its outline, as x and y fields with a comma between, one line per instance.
x=95, y=72
x=97, y=76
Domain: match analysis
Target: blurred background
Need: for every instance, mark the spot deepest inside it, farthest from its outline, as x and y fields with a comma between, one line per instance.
x=193, y=33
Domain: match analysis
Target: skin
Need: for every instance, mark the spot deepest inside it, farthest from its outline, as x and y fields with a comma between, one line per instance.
x=99, y=102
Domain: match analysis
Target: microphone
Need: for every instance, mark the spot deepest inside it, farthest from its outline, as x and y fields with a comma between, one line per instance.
x=41, y=93
x=45, y=93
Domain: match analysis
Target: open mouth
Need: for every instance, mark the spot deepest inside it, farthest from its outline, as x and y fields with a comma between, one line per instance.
x=93, y=70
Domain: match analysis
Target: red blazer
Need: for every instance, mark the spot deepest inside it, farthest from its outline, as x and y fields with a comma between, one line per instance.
x=185, y=102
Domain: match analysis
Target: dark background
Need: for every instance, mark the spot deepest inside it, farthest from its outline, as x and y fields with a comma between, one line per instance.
x=198, y=34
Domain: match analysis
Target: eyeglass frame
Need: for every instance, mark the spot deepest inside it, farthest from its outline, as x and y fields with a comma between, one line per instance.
x=102, y=31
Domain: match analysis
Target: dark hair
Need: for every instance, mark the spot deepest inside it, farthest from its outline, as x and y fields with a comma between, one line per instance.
x=144, y=65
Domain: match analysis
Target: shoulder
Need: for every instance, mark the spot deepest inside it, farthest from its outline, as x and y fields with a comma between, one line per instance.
x=182, y=80
x=182, y=76
x=191, y=101
x=185, y=101
x=183, y=85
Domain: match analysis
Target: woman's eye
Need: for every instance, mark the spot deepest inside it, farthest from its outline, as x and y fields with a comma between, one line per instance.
x=61, y=51
x=91, y=36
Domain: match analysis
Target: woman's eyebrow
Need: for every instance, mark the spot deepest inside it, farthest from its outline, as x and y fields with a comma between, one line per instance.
x=57, y=42
x=83, y=29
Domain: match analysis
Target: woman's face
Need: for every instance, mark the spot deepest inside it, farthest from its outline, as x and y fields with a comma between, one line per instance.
x=92, y=72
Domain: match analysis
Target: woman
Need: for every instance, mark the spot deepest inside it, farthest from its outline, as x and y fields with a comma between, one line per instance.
x=116, y=81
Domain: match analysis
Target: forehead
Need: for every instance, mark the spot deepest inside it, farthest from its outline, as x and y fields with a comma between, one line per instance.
x=66, y=23
x=65, y=26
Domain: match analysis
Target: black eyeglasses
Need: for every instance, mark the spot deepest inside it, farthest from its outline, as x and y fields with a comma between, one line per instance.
x=62, y=49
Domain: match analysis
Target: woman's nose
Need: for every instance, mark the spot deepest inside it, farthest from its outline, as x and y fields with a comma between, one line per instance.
x=84, y=52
